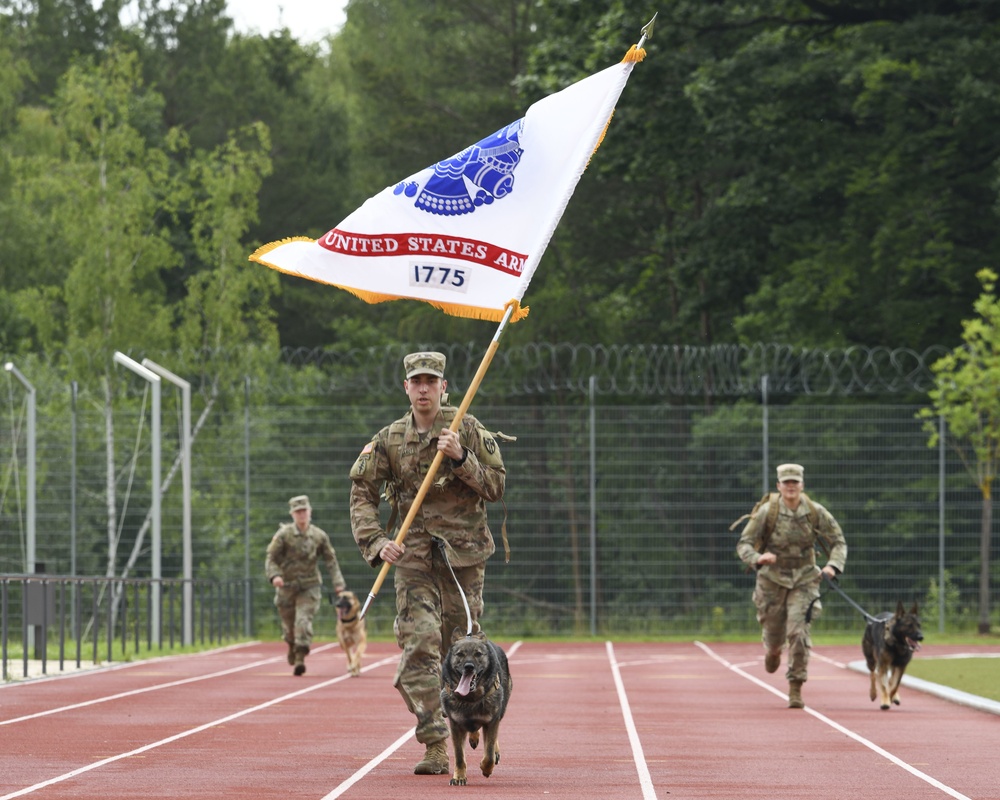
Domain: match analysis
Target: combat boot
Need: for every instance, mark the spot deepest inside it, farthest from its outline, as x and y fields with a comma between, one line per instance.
x=772, y=661
x=435, y=760
x=300, y=660
x=795, y=694
x=291, y=652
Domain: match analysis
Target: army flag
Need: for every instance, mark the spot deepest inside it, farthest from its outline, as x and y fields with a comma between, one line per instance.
x=466, y=234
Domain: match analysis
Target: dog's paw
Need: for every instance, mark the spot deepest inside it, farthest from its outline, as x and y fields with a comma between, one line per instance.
x=489, y=762
x=884, y=706
x=895, y=701
x=457, y=781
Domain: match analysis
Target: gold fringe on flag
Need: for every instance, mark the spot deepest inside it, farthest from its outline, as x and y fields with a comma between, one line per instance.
x=374, y=298
x=634, y=55
x=267, y=248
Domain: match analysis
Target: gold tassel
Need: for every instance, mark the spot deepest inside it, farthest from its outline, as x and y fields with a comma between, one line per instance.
x=267, y=248
x=634, y=55
x=519, y=312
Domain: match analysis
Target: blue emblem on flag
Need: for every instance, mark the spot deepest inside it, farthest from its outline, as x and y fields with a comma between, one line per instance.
x=475, y=177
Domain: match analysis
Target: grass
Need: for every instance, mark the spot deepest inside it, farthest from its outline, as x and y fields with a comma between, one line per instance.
x=978, y=676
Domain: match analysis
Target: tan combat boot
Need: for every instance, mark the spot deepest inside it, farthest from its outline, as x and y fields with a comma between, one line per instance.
x=795, y=694
x=435, y=760
x=300, y=660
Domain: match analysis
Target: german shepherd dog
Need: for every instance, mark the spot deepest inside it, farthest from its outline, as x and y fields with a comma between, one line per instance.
x=888, y=643
x=476, y=686
x=351, y=631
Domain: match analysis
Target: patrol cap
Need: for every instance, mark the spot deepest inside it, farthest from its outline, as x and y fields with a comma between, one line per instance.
x=301, y=501
x=426, y=363
x=790, y=472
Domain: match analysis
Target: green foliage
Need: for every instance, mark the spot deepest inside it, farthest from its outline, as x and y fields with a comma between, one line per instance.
x=951, y=595
x=967, y=391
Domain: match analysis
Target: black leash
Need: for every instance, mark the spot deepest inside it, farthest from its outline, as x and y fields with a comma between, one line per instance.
x=842, y=593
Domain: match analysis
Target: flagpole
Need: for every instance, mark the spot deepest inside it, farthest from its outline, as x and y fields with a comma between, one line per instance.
x=439, y=457
x=647, y=31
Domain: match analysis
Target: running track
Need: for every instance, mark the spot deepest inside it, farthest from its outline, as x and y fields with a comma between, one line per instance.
x=586, y=721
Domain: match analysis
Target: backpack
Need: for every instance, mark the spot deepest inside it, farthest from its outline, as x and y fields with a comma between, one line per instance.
x=772, y=519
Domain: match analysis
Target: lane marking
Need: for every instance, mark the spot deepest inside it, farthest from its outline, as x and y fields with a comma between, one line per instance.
x=357, y=776
x=645, y=780
x=828, y=660
x=153, y=688
x=70, y=670
x=838, y=727
x=184, y=734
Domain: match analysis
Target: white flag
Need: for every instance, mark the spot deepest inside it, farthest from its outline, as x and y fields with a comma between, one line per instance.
x=467, y=233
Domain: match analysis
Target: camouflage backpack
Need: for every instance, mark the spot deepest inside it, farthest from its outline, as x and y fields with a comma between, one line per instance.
x=772, y=518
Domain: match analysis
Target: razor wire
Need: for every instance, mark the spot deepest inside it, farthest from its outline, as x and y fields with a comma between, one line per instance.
x=568, y=369
x=565, y=370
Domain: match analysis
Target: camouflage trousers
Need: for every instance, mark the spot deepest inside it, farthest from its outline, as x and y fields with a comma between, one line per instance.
x=297, y=608
x=781, y=613
x=428, y=608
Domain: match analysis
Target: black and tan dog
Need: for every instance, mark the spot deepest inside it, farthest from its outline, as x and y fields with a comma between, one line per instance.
x=476, y=686
x=888, y=643
x=351, y=631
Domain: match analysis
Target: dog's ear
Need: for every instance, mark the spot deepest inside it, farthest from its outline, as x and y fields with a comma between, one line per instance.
x=457, y=634
x=899, y=608
x=915, y=610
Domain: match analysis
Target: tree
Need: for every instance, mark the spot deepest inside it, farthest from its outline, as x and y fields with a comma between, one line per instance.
x=967, y=397
x=100, y=193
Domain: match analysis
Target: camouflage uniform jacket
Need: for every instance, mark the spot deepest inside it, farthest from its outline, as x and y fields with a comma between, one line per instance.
x=793, y=542
x=454, y=508
x=295, y=555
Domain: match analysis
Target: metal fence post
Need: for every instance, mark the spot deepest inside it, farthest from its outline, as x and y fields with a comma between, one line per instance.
x=941, y=510
x=187, y=557
x=765, y=455
x=156, y=587
x=593, y=505
x=248, y=590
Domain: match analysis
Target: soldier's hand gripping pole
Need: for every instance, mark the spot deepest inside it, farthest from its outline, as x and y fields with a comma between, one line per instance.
x=436, y=463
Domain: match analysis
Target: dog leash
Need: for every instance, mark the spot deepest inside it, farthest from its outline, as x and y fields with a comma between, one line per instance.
x=842, y=593
x=444, y=554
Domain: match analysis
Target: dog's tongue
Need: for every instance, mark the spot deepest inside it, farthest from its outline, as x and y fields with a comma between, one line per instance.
x=464, y=685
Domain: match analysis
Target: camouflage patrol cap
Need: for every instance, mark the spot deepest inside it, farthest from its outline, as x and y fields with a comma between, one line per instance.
x=301, y=501
x=424, y=364
x=790, y=472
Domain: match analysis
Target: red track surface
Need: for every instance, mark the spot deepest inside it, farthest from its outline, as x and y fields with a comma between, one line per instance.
x=585, y=721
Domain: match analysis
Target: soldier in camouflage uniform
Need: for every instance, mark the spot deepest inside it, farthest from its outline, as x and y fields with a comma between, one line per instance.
x=292, y=567
x=428, y=604
x=788, y=578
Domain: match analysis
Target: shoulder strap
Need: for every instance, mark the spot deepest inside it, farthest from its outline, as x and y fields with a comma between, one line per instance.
x=772, y=518
x=814, y=524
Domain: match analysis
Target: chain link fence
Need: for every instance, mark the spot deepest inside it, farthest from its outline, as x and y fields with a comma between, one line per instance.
x=618, y=509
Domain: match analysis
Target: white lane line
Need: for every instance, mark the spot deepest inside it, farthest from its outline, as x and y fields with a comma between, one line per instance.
x=113, y=666
x=828, y=660
x=190, y=732
x=837, y=726
x=357, y=776
x=645, y=780
x=154, y=688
